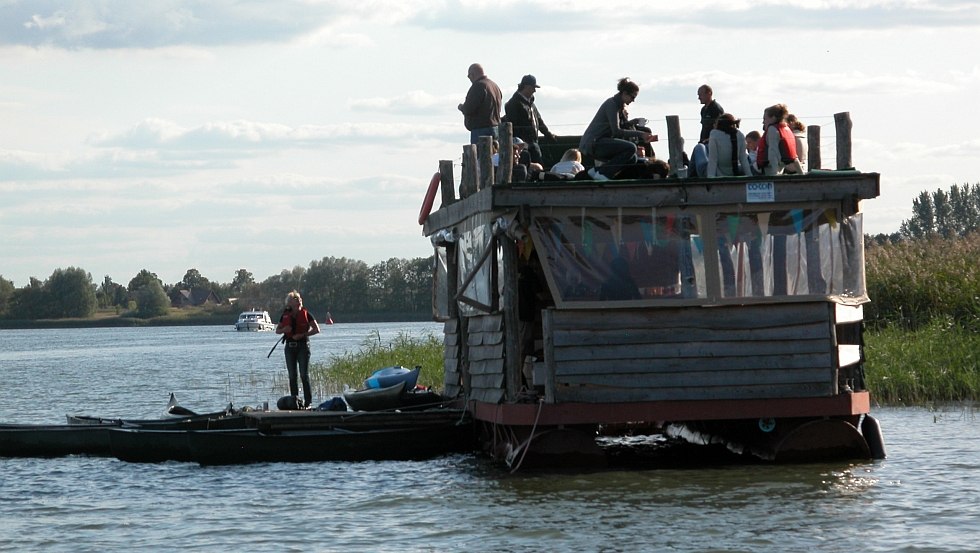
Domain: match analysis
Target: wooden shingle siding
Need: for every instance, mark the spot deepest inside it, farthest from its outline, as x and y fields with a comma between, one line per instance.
x=452, y=376
x=743, y=352
x=485, y=357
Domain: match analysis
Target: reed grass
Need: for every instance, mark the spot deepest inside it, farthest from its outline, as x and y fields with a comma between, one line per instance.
x=913, y=282
x=351, y=368
x=939, y=362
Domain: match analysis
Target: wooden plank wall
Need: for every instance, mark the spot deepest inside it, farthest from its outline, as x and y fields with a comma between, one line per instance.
x=743, y=352
x=485, y=357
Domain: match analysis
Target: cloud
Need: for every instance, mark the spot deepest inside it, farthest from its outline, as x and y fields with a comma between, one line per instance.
x=247, y=136
x=112, y=24
x=107, y=24
x=414, y=102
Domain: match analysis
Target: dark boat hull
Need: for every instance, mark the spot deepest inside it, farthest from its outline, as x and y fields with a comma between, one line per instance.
x=53, y=440
x=250, y=437
x=375, y=399
x=301, y=446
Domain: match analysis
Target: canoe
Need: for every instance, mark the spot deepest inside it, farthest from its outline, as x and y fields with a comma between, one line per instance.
x=389, y=376
x=375, y=399
x=204, y=421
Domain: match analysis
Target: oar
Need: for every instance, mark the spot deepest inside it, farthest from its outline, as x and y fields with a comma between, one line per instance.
x=281, y=340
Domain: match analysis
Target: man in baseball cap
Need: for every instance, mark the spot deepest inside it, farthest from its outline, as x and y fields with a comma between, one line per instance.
x=525, y=117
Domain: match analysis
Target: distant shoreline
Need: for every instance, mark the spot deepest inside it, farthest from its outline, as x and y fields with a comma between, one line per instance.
x=185, y=319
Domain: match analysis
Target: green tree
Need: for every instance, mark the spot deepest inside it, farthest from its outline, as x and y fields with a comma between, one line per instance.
x=111, y=293
x=418, y=279
x=151, y=300
x=193, y=279
x=955, y=213
x=71, y=293
x=30, y=302
x=337, y=284
x=142, y=279
x=6, y=293
x=242, y=281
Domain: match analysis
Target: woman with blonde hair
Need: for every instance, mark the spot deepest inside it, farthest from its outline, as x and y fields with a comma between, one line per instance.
x=296, y=324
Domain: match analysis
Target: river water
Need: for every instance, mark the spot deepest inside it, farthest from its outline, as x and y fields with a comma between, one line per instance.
x=924, y=497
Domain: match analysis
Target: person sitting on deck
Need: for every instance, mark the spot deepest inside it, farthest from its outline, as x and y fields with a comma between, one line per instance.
x=607, y=137
x=726, y=149
x=751, y=145
x=776, y=153
x=799, y=133
x=570, y=164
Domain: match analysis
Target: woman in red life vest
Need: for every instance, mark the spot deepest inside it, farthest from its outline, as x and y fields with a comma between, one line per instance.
x=297, y=325
x=777, y=148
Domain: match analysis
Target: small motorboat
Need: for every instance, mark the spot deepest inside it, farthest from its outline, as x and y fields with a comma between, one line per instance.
x=389, y=376
x=254, y=320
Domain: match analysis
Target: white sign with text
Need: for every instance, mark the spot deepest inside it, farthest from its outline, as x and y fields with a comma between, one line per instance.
x=758, y=192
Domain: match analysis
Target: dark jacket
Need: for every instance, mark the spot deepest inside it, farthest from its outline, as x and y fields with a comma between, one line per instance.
x=525, y=117
x=609, y=122
x=710, y=113
x=481, y=109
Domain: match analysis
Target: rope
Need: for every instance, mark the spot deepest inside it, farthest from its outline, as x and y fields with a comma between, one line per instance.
x=527, y=444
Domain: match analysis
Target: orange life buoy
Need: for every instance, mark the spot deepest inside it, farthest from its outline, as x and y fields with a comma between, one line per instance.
x=430, y=196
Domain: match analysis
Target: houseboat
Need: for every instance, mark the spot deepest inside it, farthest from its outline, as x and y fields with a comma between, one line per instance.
x=725, y=310
x=254, y=320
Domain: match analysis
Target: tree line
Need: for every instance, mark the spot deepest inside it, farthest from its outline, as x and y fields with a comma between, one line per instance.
x=939, y=214
x=340, y=285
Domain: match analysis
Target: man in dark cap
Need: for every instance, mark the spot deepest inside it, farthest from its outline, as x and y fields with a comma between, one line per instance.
x=524, y=116
x=481, y=109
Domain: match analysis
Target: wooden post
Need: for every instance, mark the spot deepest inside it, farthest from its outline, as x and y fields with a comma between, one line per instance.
x=446, y=182
x=675, y=144
x=505, y=167
x=471, y=172
x=843, y=122
x=813, y=160
x=512, y=323
x=548, y=328
x=484, y=155
x=464, y=356
x=452, y=281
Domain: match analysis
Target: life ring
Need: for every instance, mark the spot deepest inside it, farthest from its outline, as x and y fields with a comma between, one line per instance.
x=430, y=196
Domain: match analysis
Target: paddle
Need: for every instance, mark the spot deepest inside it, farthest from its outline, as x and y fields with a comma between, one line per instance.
x=281, y=340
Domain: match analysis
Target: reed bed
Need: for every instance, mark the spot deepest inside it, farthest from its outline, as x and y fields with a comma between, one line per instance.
x=939, y=362
x=351, y=368
x=911, y=283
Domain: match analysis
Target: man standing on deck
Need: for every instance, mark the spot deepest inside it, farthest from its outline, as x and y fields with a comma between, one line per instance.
x=525, y=117
x=481, y=109
x=710, y=113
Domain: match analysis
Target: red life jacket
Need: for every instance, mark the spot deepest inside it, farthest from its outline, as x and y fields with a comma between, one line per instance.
x=787, y=143
x=299, y=321
x=787, y=146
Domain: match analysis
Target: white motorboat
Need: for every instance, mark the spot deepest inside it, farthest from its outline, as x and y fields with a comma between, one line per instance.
x=255, y=320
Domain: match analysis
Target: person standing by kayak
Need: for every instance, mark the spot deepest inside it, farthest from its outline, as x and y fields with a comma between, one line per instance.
x=296, y=324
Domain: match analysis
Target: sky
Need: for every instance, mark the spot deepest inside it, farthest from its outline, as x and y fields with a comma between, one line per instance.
x=264, y=134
